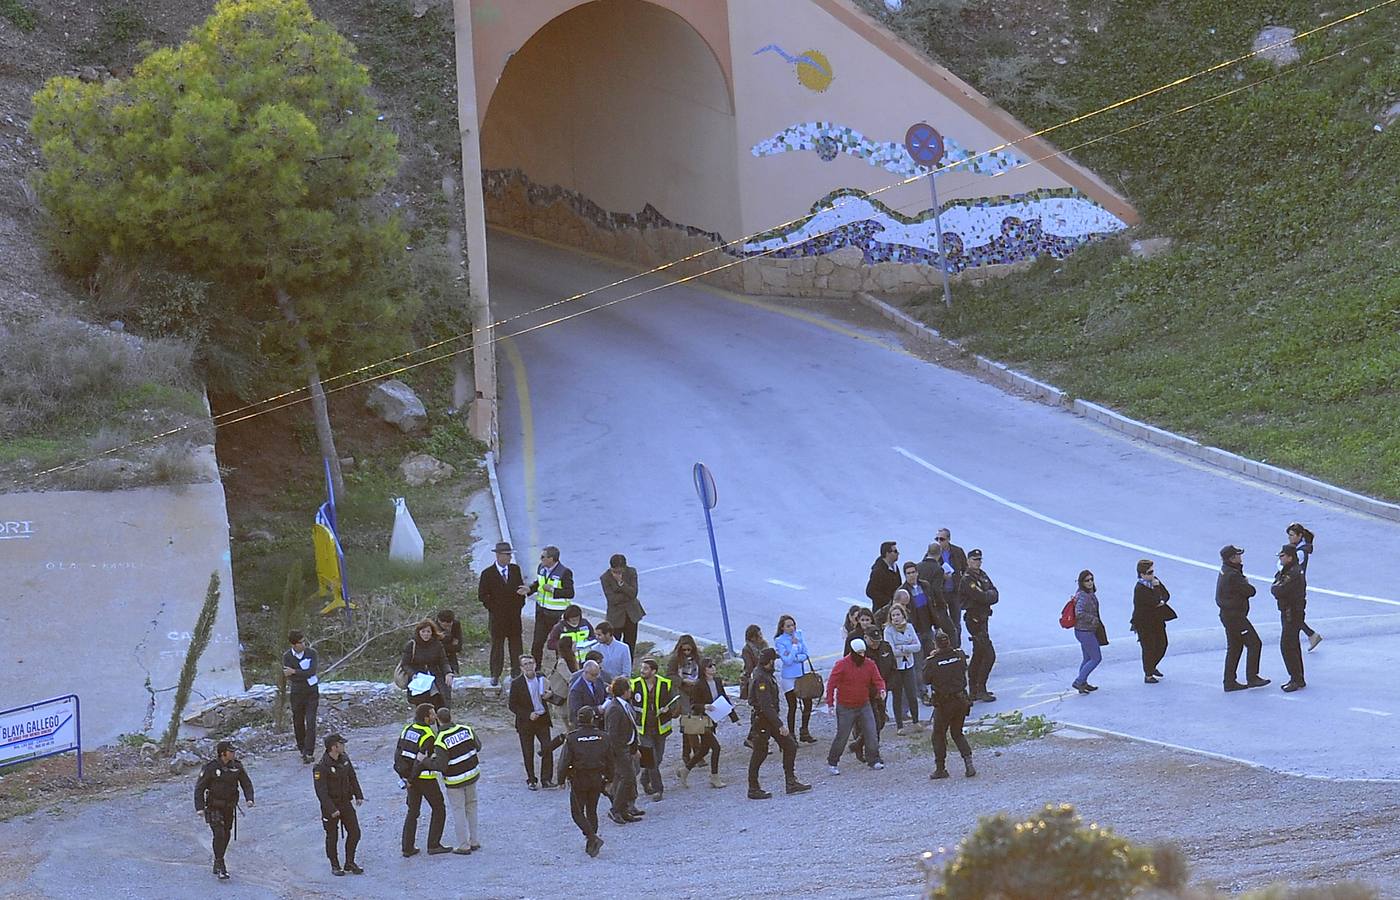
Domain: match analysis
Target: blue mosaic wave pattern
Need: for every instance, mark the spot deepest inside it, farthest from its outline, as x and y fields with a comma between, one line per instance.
x=828, y=140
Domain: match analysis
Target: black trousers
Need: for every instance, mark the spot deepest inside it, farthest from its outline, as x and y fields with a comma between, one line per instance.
x=351, y=822
x=954, y=616
x=628, y=634
x=545, y=620
x=792, y=702
x=624, y=782
x=536, y=732
x=220, y=821
x=1154, y=647
x=786, y=744
x=949, y=718
x=984, y=655
x=505, y=629
x=584, y=792
x=304, y=705
x=704, y=743
x=420, y=789
x=1290, y=643
x=1239, y=637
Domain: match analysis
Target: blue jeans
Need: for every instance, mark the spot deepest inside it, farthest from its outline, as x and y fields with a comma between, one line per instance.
x=1093, y=655
x=863, y=718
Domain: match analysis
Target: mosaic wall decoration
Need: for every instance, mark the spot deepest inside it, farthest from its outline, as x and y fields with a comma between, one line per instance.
x=828, y=140
x=813, y=68
x=981, y=232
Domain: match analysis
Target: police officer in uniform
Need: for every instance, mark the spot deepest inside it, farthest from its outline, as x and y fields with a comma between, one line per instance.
x=553, y=589
x=946, y=672
x=978, y=595
x=413, y=765
x=768, y=723
x=1290, y=589
x=216, y=799
x=584, y=763
x=458, y=758
x=1232, y=593
x=338, y=790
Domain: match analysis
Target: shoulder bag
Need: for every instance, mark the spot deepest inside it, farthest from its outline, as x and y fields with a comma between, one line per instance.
x=808, y=685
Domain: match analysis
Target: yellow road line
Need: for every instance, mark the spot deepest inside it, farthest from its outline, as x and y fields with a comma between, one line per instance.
x=527, y=441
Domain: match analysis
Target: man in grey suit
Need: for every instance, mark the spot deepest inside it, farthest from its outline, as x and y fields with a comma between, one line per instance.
x=624, y=609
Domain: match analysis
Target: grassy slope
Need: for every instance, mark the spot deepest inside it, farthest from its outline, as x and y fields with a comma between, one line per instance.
x=1273, y=328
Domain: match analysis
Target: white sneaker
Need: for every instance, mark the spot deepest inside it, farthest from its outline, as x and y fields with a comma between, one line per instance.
x=833, y=770
x=878, y=765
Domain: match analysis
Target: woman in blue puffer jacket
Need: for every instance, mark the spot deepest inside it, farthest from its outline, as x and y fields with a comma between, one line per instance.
x=792, y=650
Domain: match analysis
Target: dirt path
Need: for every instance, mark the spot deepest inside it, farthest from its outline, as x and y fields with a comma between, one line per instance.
x=854, y=835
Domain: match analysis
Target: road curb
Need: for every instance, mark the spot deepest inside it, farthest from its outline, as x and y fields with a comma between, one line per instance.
x=644, y=630
x=1020, y=383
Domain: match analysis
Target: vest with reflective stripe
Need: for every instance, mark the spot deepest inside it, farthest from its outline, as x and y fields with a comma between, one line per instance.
x=459, y=742
x=582, y=638
x=411, y=743
x=650, y=704
x=548, y=585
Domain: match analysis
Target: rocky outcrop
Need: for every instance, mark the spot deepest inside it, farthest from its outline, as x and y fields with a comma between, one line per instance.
x=397, y=404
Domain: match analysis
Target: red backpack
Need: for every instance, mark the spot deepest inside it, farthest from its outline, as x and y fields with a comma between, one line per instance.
x=1067, y=616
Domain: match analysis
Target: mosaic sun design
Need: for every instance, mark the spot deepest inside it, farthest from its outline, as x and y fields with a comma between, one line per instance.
x=828, y=140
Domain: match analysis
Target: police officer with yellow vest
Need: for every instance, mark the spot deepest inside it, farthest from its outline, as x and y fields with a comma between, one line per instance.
x=338, y=790
x=552, y=589
x=413, y=764
x=457, y=757
x=654, y=699
x=584, y=763
x=579, y=632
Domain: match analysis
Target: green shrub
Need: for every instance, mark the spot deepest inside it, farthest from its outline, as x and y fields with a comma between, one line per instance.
x=18, y=15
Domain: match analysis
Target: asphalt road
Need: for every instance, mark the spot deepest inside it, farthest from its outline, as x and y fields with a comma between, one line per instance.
x=826, y=436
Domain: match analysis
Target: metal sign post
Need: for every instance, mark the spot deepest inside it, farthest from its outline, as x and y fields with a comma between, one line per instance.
x=924, y=145
x=709, y=497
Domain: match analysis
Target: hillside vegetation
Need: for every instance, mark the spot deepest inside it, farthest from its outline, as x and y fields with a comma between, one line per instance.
x=1272, y=328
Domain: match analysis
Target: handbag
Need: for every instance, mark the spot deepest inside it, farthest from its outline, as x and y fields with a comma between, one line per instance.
x=558, y=682
x=696, y=724
x=808, y=685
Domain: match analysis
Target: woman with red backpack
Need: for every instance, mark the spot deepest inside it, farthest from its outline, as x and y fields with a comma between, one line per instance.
x=1088, y=630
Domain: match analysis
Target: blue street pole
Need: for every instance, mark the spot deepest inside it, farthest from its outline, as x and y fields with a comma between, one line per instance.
x=709, y=496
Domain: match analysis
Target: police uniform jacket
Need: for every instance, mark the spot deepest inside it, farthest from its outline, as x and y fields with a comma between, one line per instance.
x=585, y=759
x=946, y=671
x=218, y=784
x=1232, y=593
x=336, y=783
x=978, y=594
x=763, y=701
x=1290, y=589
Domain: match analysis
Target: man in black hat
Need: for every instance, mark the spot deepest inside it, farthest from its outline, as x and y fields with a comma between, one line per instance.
x=1290, y=589
x=216, y=799
x=501, y=589
x=1232, y=593
x=584, y=763
x=768, y=723
x=338, y=790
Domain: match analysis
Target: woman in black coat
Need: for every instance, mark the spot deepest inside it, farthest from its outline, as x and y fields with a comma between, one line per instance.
x=703, y=693
x=1150, y=617
x=425, y=653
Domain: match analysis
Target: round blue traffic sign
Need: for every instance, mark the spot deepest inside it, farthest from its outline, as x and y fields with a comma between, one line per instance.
x=924, y=144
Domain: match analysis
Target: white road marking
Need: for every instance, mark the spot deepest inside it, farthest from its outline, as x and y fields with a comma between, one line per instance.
x=1098, y=536
x=787, y=584
x=1369, y=712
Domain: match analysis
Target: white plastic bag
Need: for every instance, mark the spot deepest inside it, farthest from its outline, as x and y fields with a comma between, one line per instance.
x=406, y=543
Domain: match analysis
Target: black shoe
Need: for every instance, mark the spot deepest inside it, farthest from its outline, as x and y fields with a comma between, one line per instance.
x=337, y=870
x=1149, y=679
x=748, y=743
x=1256, y=681
x=631, y=818
x=411, y=851
x=1092, y=687
x=495, y=681
x=1293, y=686
x=618, y=817
x=592, y=846
x=636, y=813
x=439, y=850
x=546, y=783
x=1158, y=674
x=758, y=793
x=967, y=767
x=987, y=696
x=1232, y=686
x=354, y=869
x=938, y=773
x=796, y=787
x=1082, y=688
x=223, y=874
x=533, y=785
x=806, y=737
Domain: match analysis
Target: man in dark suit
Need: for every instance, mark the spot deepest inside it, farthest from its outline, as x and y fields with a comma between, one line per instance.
x=530, y=698
x=884, y=577
x=952, y=562
x=501, y=590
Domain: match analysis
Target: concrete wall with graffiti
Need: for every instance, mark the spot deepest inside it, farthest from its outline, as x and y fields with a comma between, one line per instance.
x=772, y=131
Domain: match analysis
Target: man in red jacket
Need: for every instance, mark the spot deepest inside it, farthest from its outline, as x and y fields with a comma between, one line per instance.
x=854, y=681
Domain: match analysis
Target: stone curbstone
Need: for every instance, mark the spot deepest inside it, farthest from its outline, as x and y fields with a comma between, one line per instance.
x=1151, y=434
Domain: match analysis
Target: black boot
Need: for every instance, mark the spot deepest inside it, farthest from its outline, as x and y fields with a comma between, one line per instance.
x=806, y=737
x=796, y=787
x=967, y=767
x=939, y=772
x=756, y=792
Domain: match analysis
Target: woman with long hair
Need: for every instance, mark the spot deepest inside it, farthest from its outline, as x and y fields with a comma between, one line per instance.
x=754, y=642
x=792, y=651
x=706, y=692
x=424, y=654
x=684, y=671
x=1088, y=630
x=904, y=641
x=1150, y=616
x=1302, y=540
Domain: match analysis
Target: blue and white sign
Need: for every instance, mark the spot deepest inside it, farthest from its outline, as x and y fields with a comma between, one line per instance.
x=41, y=729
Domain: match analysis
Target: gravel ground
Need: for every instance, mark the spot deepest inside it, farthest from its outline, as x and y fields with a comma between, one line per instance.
x=859, y=834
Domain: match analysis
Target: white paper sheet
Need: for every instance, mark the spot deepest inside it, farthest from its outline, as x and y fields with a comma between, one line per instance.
x=722, y=709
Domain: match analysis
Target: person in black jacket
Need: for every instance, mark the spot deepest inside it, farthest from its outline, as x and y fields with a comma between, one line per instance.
x=424, y=653
x=1150, y=617
x=884, y=577
x=946, y=672
x=703, y=694
x=553, y=590
x=530, y=698
x=766, y=724
x=1232, y=593
x=216, y=799
x=978, y=595
x=585, y=764
x=338, y=790
x=952, y=562
x=501, y=589
x=299, y=669
x=1290, y=589
x=620, y=724
x=451, y=635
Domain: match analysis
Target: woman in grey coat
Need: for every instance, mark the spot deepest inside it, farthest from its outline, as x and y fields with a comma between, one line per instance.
x=1087, y=628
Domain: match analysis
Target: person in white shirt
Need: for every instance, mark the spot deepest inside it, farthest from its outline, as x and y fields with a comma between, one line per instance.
x=299, y=670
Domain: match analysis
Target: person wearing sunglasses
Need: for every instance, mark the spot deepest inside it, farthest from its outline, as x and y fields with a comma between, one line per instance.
x=1150, y=617
x=1088, y=630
